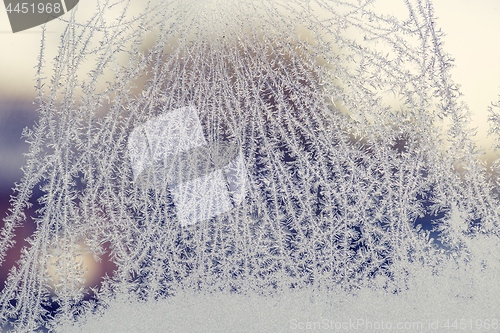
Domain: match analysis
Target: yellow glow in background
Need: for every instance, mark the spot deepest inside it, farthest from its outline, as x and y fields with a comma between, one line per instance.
x=73, y=265
x=471, y=29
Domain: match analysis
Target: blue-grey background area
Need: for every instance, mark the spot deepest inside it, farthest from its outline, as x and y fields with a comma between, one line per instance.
x=15, y=115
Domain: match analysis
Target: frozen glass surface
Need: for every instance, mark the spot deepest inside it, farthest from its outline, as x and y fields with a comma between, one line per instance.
x=252, y=152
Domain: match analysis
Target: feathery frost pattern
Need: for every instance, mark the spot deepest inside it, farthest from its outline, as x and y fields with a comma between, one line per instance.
x=246, y=147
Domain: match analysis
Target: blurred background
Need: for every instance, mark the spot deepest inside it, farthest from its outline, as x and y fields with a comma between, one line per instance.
x=471, y=30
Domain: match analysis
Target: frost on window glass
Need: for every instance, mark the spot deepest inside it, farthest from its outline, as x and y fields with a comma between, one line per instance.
x=252, y=151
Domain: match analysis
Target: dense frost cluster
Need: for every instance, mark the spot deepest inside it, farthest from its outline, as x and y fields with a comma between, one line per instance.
x=246, y=147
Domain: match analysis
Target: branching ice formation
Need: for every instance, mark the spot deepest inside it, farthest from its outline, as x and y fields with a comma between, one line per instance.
x=297, y=97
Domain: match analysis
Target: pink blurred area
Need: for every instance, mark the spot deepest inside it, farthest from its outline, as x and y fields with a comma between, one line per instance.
x=16, y=114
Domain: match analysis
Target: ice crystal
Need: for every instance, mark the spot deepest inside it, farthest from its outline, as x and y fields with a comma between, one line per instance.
x=254, y=147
